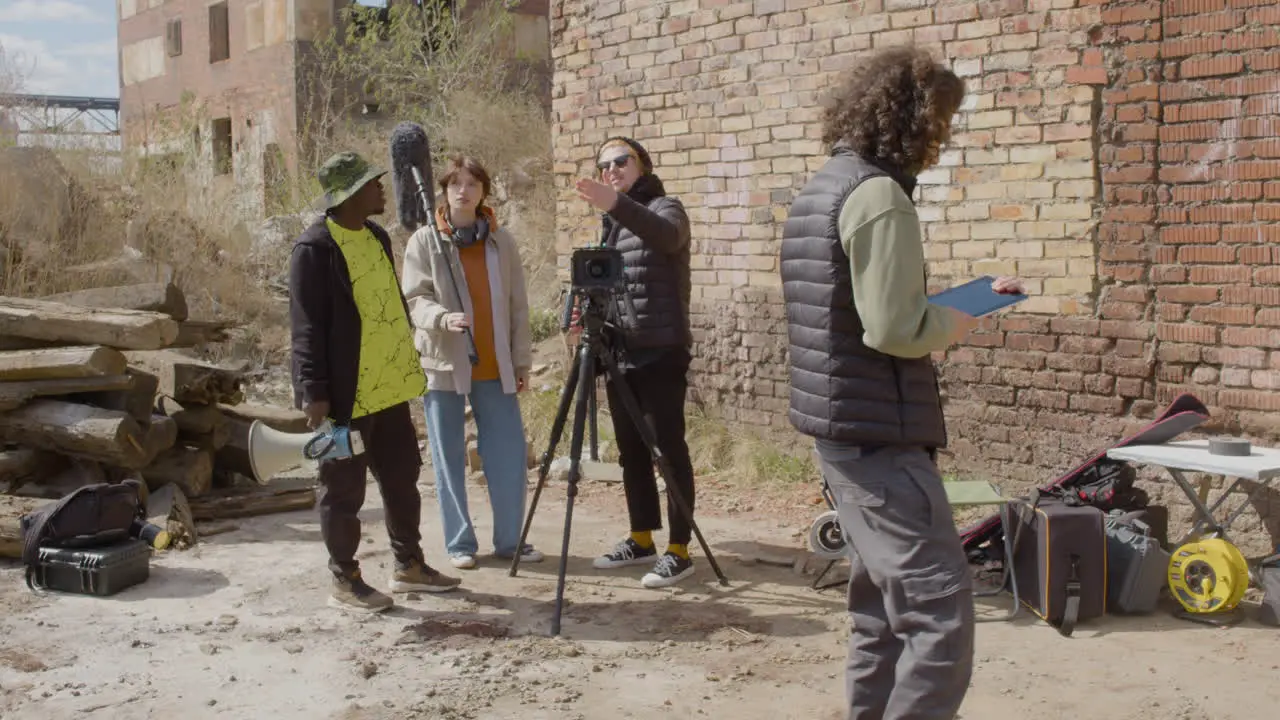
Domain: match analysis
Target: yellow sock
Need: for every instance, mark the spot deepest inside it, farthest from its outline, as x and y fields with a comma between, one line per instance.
x=643, y=539
x=681, y=550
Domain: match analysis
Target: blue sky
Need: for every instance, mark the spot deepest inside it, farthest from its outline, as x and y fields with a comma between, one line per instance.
x=61, y=47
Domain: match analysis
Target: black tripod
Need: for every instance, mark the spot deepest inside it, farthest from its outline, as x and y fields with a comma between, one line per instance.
x=592, y=350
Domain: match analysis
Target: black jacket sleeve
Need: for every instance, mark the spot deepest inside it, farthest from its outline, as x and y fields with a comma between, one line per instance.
x=309, y=310
x=664, y=227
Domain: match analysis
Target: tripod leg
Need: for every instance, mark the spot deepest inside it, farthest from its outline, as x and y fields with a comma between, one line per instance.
x=544, y=467
x=586, y=374
x=591, y=418
x=650, y=437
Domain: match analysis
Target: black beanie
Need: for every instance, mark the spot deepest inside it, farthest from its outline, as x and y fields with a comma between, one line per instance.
x=645, y=162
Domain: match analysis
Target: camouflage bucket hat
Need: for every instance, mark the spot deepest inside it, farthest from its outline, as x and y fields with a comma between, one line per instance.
x=342, y=176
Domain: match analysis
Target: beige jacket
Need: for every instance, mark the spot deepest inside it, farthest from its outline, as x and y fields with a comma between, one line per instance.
x=431, y=295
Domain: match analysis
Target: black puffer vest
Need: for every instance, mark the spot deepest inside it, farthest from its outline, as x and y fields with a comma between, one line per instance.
x=841, y=390
x=653, y=238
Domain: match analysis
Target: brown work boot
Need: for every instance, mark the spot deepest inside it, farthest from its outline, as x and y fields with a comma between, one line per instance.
x=353, y=593
x=418, y=576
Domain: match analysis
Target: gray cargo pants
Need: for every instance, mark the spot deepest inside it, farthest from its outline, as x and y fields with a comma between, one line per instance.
x=910, y=589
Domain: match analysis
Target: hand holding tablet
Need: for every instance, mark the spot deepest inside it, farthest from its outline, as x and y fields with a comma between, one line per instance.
x=981, y=296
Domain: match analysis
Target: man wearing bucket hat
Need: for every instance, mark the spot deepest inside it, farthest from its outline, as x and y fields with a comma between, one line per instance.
x=354, y=363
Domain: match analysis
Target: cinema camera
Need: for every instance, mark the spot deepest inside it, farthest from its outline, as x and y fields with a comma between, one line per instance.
x=597, y=281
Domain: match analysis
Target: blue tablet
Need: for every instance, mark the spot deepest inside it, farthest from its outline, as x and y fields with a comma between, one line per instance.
x=976, y=297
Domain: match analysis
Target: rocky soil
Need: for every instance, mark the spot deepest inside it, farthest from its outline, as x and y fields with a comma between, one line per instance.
x=238, y=628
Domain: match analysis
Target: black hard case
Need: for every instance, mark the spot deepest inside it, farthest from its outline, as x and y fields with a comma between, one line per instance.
x=102, y=571
x=1137, y=566
x=1060, y=560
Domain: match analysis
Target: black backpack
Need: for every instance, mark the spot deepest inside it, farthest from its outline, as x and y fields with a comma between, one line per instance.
x=92, y=515
x=1107, y=485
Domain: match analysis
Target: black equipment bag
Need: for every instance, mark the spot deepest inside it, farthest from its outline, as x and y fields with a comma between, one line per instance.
x=1059, y=560
x=89, y=516
x=1137, y=566
x=1107, y=485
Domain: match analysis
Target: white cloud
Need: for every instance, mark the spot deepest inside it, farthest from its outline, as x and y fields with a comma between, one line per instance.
x=102, y=50
x=76, y=70
x=48, y=10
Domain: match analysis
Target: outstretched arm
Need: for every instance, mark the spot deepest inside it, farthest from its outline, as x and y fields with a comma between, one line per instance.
x=665, y=227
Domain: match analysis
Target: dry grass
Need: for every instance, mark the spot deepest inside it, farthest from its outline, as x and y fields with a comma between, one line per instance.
x=65, y=227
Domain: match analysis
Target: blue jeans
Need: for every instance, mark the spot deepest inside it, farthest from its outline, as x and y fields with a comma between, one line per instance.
x=500, y=434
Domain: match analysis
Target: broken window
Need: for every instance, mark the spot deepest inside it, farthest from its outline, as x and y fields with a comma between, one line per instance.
x=173, y=37
x=219, y=33
x=222, y=146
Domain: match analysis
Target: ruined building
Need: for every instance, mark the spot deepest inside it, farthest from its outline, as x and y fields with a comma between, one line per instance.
x=1120, y=156
x=227, y=80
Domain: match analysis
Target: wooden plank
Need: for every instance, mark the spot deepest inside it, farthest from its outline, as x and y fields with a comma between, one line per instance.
x=12, y=508
x=168, y=508
x=162, y=434
x=248, y=502
x=19, y=465
x=188, y=380
x=199, y=425
x=138, y=400
x=61, y=362
x=233, y=457
x=9, y=342
x=290, y=420
x=194, y=333
x=164, y=298
x=76, y=474
x=108, y=436
x=190, y=469
x=16, y=394
x=60, y=322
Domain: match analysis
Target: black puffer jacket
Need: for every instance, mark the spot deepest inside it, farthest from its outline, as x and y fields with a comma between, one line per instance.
x=651, y=229
x=842, y=390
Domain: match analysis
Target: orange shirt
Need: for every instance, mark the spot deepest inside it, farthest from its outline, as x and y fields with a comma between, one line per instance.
x=477, y=274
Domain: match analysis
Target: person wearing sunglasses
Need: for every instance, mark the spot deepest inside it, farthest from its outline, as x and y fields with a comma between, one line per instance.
x=651, y=230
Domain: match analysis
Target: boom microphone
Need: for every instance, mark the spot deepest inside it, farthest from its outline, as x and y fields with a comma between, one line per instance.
x=410, y=152
x=415, y=203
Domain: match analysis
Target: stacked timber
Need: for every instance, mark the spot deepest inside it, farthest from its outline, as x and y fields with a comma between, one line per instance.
x=102, y=385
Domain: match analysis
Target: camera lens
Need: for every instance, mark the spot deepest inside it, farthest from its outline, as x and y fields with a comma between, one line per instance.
x=596, y=269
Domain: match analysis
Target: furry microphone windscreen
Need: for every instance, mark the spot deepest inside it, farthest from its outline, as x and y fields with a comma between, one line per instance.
x=409, y=149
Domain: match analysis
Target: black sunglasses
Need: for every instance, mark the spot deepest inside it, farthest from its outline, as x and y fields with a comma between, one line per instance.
x=618, y=162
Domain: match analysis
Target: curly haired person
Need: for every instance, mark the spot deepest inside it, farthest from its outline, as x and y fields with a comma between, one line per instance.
x=861, y=330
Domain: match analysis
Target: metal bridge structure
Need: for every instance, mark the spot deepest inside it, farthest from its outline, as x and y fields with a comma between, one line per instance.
x=60, y=114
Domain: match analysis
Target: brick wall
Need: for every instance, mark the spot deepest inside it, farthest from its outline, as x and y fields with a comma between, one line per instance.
x=1119, y=156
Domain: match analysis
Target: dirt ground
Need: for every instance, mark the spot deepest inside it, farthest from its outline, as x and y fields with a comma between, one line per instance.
x=238, y=628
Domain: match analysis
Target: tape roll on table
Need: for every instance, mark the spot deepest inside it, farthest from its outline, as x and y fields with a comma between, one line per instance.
x=1234, y=447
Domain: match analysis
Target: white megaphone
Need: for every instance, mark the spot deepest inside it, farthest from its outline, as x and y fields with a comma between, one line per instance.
x=271, y=451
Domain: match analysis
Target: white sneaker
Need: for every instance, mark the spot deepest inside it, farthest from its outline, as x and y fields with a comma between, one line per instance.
x=463, y=561
x=528, y=555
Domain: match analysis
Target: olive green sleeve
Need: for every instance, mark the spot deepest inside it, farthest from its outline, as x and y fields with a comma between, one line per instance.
x=880, y=232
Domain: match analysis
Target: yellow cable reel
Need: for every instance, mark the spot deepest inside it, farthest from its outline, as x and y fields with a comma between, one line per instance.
x=1208, y=575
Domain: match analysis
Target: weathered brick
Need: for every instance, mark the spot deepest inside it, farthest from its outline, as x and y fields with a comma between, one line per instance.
x=1124, y=162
